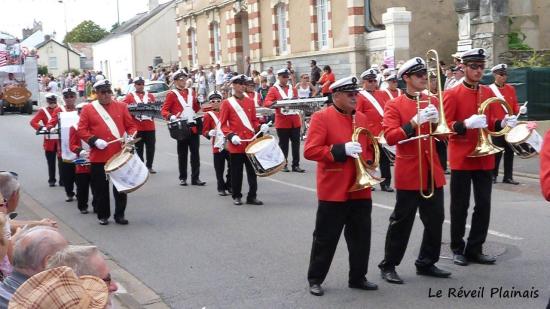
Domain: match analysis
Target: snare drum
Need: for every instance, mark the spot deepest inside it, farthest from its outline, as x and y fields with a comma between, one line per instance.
x=179, y=130
x=266, y=156
x=127, y=171
x=526, y=142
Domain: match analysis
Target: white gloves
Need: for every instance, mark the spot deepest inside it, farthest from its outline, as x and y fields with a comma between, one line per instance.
x=353, y=149
x=83, y=154
x=53, y=130
x=523, y=110
x=509, y=120
x=173, y=118
x=236, y=140
x=429, y=113
x=476, y=122
x=212, y=133
x=101, y=144
x=264, y=128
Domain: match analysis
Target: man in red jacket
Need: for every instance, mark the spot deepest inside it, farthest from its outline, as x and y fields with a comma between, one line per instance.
x=371, y=102
x=239, y=123
x=403, y=121
x=329, y=143
x=181, y=103
x=145, y=124
x=508, y=93
x=101, y=123
x=39, y=123
x=289, y=124
x=545, y=167
x=461, y=109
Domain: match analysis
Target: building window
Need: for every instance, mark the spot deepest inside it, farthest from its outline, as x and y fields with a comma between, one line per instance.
x=52, y=62
x=322, y=23
x=282, y=28
x=194, y=55
x=217, y=41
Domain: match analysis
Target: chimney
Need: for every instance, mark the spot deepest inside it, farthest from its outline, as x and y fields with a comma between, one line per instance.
x=47, y=37
x=153, y=4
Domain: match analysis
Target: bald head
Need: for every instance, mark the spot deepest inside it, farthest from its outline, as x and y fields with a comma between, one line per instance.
x=33, y=248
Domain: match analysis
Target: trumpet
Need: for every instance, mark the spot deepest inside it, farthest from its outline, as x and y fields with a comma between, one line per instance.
x=484, y=145
x=365, y=177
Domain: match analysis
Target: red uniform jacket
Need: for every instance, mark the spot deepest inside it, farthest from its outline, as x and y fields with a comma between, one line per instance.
x=41, y=120
x=255, y=97
x=232, y=124
x=282, y=121
x=75, y=144
x=395, y=93
x=142, y=125
x=92, y=127
x=172, y=106
x=509, y=93
x=545, y=167
x=374, y=119
x=397, y=127
x=461, y=102
x=328, y=132
x=208, y=124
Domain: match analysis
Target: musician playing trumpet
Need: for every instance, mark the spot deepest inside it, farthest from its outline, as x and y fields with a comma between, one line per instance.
x=414, y=173
x=329, y=143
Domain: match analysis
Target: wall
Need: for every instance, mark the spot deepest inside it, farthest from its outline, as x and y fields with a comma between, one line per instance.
x=118, y=54
x=542, y=7
x=156, y=37
x=53, y=49
x=299, y=25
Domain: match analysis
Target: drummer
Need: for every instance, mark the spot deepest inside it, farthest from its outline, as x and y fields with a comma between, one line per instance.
x=145, y=124
x=101, y=123
x=211, y=129
x=251, y=92
x=239, y=123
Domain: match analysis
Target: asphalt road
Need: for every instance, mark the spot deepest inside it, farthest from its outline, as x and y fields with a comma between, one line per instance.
x=195, y=249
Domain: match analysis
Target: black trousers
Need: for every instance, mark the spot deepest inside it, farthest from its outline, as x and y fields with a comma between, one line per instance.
x=51, y=157
x=352, y=216
x=461, y=181
x=100, y=189
x=147, y=141
x=184, y=147
x=508, y=158
x=442, y=153
x=68, y=176
x=83, y=182
x=432, y=215
x=292, y=135
x=237, y=162
x=385, y=169
x=219, y=166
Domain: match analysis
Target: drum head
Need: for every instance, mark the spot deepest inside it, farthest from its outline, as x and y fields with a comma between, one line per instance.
x=259, y=144
x=518, y=134
x=117, y=161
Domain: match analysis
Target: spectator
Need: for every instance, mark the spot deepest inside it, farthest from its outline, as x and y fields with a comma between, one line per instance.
x=150, y=72
x=201, y=82
x=154, y=75
x=304, y=88
x=81, y=86
x=31, y=251
x=256, y=78
x=61, y=288
x=315, y=72
x=326, y=80
x=220, y=74
x=161, y=76
x=271, y=77
x=248, y=70
x=129, y=78
x=292, y=72
x=263, y=89
x=211, y=79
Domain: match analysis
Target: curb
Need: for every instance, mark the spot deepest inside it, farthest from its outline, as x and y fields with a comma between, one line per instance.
x=132, y=293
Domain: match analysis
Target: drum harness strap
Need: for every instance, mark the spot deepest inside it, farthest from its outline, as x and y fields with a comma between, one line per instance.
x=390, y=95
x=188, y=111
x=48, y=116
x=219, y=138
x=255, y=98
x=499, y=95
x=373, y=101
x=286, y=96
x=145, y=101
x=106, y=118
x=240, y=112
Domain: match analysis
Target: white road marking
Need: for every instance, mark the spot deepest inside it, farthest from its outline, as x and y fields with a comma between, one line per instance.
x=490, y=232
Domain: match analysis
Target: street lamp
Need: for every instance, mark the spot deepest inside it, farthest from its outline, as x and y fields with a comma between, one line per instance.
x=66, y=31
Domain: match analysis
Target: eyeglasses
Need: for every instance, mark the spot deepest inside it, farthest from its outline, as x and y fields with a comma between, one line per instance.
x=371, y=80
x=350, y=94
x=420, y=74
x=285, y=76
x=69, y=96
x=215, y=101
x=502, y=73
x=107, y=279
x=105, y=91
x=51, y=101
x=139, y=84
x=476, y=66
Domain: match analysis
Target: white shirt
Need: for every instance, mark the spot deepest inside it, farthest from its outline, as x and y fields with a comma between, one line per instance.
x=53, y=86
x=219, y=76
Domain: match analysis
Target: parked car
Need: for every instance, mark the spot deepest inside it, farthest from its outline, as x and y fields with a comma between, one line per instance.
x=156, y=87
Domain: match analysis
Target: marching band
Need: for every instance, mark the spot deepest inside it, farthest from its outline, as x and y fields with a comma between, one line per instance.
x=398, y=124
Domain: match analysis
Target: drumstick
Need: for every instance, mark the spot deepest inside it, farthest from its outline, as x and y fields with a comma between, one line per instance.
x=413, y=138
x=255, y=135
x=116, y=140
x=524, y=104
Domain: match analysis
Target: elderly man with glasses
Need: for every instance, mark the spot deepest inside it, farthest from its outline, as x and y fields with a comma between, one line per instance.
x=101, y=123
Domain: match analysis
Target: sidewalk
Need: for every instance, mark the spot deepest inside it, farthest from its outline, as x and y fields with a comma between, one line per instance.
x=131, y=294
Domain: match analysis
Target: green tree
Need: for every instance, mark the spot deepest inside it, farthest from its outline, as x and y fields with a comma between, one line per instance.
x=114, y=27
x=86, y=32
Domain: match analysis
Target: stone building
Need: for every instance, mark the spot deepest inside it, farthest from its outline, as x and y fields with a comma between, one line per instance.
x=348, y=35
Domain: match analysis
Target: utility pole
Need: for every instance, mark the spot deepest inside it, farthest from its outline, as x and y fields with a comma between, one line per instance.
x=66, y=32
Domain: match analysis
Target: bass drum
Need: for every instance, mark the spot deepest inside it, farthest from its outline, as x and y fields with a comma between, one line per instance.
x=524, y=140
x=127, y=172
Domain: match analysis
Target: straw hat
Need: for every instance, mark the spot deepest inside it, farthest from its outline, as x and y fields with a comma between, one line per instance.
x=60, y=288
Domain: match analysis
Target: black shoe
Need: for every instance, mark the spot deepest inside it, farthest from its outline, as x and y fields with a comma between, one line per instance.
x=183, y=182
x=198, y=182
x=460, y=259
x=103, y=221
x=363, y=285
x=237, y=201
x=229, y=190
x=432, y=271
x=316, y=289
x=386, y=188
x=152, y=171
x=285, y=169
x=510, y=181
x=481, y=258
x=69, y=198
x=52, y=184
x=254, y=201
x=447, y=172
x=390, y=275
x=121, y=221
x=372, y=188
x=222, y=193
x=84, y=211
x=494, y=179
x=297, y=169
x=61, y=184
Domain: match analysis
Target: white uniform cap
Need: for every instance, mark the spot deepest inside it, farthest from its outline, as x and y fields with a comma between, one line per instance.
x=499, y=67
x=369, y=74
x=51, y=96
x=347, y=84
x=179, y=74
x=103, y=83
x=239, y=79
x=413, y=65
x=68, y=90
x=475, y=54
x=139, y=79
x=213, y=95
x=99, y=77
x=283, y=71
x=391, y=76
